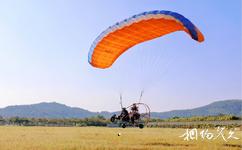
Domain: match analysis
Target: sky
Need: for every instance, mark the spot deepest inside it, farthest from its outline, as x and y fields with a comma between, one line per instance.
x=44, y=50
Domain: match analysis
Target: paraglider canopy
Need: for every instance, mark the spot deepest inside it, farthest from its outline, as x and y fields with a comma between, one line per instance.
x=115, y=40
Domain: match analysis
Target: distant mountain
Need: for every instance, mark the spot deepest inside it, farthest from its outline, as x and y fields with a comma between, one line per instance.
x=232, y=107
x=56, y=110
x=45, y=110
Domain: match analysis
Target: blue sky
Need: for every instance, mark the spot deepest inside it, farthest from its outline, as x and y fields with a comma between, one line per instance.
x=44, y=47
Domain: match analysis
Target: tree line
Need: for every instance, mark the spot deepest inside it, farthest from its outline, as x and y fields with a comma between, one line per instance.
x=20, y=121
x=220, y=117
x=102, y=121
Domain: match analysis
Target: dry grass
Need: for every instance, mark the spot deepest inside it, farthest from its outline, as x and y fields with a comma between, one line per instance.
x=101, y=138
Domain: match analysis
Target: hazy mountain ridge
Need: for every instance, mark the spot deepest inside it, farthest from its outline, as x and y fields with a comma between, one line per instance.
x=56, y=110
x=45, y=110
x=232, y=107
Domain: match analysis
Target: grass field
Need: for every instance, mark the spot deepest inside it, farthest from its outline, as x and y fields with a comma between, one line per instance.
x=103, y=138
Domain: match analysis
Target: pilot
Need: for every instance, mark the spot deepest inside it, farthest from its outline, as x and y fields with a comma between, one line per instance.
x=134, y=113
x=134, y=108
x=124, y=115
